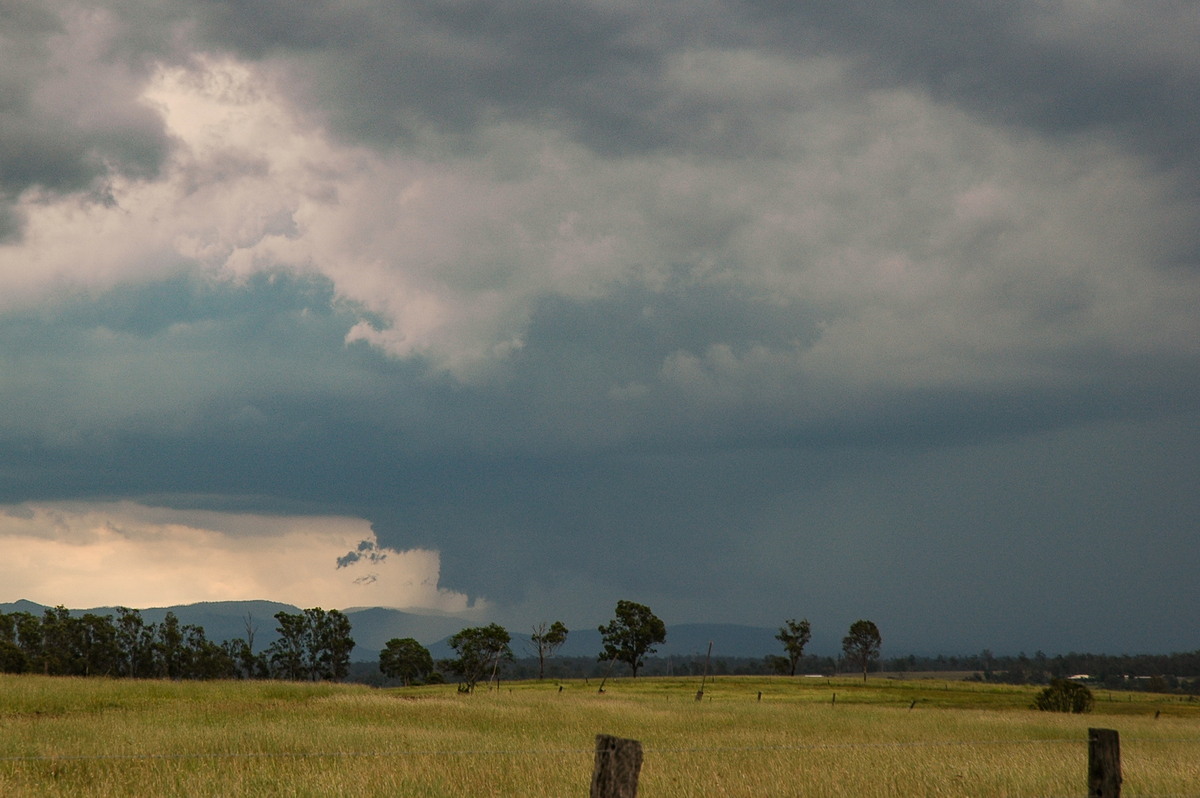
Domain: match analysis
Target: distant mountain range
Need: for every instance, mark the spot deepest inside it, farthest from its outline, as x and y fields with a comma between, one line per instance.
x=374, y=626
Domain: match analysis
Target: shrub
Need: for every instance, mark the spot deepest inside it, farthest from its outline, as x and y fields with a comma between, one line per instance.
x=1064, y=695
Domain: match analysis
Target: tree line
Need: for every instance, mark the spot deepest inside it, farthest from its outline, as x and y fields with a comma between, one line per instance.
x=860, y=646
x=634, y=631
x=629, y=638
x=1159, y=673
x=315, y=644
x=312, y=645
x=481, y=651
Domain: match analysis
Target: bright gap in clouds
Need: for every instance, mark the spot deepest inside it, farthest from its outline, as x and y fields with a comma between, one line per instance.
x=89, y=555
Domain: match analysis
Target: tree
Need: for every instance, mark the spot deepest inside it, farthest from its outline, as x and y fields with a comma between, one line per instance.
x=405, y=659
x=12, y=658
x=169, y=647
x=100, y=654
x=205, y=659
x=312, y=645
x=247, y=664
x=795, y=637
x=1064, y=695
x=29, y=638
x=328, y=644
x=547, y=640
x=286, y=653
x=480, y=649
x=135, y=640
x=60, y=649
x=861, y=646
x=631, y=635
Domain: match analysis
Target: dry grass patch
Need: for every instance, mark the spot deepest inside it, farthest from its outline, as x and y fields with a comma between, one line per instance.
x=75, y=737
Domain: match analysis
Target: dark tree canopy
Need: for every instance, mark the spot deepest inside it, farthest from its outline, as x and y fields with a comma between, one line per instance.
x=330, y=644
x=63, y=644
x=286, y=654
x=136, y=642
x=480, y=649
x=312, y=645
x=794, y=636
x=405, y=659
x=861, y=646
x=632, y=634
x=1064, y=695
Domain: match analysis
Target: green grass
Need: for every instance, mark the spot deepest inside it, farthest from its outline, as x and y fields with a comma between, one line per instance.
x=77, y=737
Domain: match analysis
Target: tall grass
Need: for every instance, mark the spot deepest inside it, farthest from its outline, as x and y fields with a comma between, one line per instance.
x=97, y=737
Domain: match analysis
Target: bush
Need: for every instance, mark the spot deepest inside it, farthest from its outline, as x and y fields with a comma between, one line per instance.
x=1064, y=695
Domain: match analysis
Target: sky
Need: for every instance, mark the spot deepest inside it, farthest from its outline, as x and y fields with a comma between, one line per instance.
x=745, y=311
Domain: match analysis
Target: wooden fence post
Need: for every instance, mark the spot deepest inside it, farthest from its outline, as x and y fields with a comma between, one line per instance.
x=618, y=763
x=1104, y=763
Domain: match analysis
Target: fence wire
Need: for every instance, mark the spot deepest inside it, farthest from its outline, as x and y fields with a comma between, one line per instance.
x=587, y=752
x=648, y=749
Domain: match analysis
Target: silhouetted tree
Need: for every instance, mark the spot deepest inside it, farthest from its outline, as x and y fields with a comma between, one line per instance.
x=135, y=640
x=59, y=647
x=286, y=653
x=631, y=635
x=480, y=649
x=203, y=658
x=405, y=659
x=795, y=637
x=169, y=648
x=328, y=644
x=547, y=640
x=96, y=638
x=312, y=645
x=861, y=646
x=12, y=658
x=29, y=639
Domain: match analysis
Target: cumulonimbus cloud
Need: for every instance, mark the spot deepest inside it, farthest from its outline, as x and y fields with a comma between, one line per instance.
x=997, y=244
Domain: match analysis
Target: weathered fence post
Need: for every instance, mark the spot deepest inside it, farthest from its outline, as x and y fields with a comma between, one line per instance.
x=1104, y=763
x=618, y=763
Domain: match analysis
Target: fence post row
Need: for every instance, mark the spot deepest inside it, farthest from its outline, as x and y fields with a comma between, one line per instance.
x=1104, y=763
x=618, y=763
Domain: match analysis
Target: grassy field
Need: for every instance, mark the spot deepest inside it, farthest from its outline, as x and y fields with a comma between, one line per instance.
x=75, y=737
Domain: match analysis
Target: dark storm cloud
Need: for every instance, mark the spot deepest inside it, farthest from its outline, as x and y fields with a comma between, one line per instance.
x=366, y=550
x=186, y=359
x=877, y=323
x=415, y=71
x=524, y=489
x=70, y=116
x=1127, y=69
x=387, y=70
x=552, y=477
x=598, y=70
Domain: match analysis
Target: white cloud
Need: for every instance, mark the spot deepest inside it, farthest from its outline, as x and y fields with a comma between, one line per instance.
x=85, y=555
